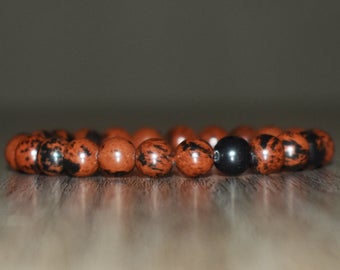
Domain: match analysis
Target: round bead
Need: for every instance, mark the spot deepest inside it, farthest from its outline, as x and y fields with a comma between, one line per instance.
x=232, y=155
x=89, y=134
x=245, y=132
x=153, y=158
x=194, y=157
x=144, y=134
x=318, y=147
x=296, y=150
x=295, y=130
x=178, y=134
x=62, y=134
x=268, y=154
x=328, y=145
x=42, y=133
x=80, y=157
x=117, y=132
x=270, y=130
x=10, y=150
x=26, y=154
x=212, y=135
x=51, y=156
x=116, y=156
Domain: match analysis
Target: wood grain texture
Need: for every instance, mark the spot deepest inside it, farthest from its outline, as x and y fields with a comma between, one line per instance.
x=282, y=221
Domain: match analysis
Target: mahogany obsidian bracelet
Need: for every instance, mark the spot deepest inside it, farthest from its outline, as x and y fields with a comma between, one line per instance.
x=115, y=152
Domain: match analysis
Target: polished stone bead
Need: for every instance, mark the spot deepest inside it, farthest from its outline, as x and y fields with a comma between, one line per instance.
x=144, y=134
x=116, y=156
x=178, y=134
x=245, y=132
x=270, y=130
x=321, y=147
x=42, y=133
x=154, y=158
x=232, y=155
x=194, y=157
x=51, y=156
x=80, y=157
x=212, y=135
x=89, y=134
x=62, y=134
x=295, y=129
x=328, y=145
x=267, y=154
x=116, y=132
x=26, y=154
x=10, y=149
x=296, y=150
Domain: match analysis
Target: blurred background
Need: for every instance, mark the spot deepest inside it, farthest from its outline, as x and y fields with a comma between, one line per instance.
x=133, y=63
x=164, y=62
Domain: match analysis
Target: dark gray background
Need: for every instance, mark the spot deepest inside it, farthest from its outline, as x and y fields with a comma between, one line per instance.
x=141, y=62
x=154, y=62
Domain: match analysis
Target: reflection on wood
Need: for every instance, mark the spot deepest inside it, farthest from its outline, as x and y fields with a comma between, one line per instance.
x=218, y=222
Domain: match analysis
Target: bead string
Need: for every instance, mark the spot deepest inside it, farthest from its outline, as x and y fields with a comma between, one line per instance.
x=115, y=152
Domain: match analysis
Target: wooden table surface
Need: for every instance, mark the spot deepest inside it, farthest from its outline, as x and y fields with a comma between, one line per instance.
x=281, y=221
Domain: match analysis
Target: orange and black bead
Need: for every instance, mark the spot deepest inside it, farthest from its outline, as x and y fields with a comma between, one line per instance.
x=267, y=154
x=80, y=157
x=194, y=157
x=51, y=156
x=26, y=154
x=296, y=150
x=154, y=158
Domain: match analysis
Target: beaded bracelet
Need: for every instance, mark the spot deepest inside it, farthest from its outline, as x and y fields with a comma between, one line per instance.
x=115, y=152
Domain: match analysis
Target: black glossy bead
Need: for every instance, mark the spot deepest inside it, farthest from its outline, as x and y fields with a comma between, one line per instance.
x=316, y=149
x=232, y=155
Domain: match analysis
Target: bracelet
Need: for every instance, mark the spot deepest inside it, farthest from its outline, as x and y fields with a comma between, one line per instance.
x=115, y=152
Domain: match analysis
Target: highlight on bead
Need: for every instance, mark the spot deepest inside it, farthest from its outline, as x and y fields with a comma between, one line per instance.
x=194, y=157
x=148, y=153
x=178, y=134
x=232, y=155
x=267, y=154
x=116, y=156
x=154, y=158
